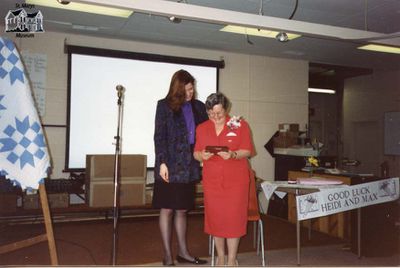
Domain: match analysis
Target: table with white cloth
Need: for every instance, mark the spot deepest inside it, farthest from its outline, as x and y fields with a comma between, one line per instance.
x=332, y=199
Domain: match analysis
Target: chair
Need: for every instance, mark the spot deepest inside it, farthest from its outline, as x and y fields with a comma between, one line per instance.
x=254, y=216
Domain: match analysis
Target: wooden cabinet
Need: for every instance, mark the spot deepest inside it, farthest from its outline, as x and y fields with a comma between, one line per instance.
x=337, y=225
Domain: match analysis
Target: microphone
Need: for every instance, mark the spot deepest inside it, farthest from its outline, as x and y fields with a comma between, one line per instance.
x=120, y=90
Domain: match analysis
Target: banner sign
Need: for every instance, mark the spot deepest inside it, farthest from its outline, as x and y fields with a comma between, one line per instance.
x=331, y=201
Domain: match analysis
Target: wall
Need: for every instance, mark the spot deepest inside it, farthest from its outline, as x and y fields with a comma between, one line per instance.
x=266, y=91
x=365, y=100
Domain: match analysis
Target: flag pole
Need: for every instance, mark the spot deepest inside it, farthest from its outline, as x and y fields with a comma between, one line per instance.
x=117, y=159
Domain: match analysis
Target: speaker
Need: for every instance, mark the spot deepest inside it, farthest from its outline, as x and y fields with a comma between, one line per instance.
x=133, y=166
x=131, y=193
x=99, y=182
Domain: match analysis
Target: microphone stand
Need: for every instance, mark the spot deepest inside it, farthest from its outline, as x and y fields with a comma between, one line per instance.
x=117, y=169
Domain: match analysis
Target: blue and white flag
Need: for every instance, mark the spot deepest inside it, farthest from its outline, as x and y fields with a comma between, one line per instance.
x=24, y=157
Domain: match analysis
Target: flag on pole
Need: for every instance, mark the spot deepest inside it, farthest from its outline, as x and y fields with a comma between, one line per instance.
x=24, y=158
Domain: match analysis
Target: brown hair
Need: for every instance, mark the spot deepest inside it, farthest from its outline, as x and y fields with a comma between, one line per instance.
x=177, y=95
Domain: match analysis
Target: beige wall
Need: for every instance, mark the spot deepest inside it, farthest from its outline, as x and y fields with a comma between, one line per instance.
x=365, y=100
x=266, y=91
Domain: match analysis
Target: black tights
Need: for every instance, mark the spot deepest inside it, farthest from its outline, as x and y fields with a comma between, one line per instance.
x=180, y=222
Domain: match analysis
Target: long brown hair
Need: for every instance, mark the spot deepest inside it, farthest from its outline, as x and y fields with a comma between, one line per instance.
x=177, y=95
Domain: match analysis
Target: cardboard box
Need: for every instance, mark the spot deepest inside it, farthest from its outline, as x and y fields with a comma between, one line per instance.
x=289, y=135
x=284, y=141
x=289, y=127
x=99, y=184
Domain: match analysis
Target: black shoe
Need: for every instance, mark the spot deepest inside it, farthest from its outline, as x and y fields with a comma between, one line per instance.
x=167, y=264
x=195, y=261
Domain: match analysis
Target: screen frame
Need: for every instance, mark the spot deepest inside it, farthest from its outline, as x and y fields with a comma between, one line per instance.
x=71, y=49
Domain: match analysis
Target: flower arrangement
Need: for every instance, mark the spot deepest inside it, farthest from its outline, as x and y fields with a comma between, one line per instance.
x=312, y=163
x=234, y=122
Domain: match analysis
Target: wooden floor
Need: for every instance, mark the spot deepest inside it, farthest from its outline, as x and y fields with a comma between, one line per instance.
x=90, y=242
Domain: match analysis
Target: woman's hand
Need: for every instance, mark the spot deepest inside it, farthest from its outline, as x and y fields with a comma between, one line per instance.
x=227, y=155
x=206, y=155
x=238, y=154
x=164, y=172
x=202, y=155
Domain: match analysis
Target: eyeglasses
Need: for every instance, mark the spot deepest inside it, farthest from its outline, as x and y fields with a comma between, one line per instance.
x=218, y=114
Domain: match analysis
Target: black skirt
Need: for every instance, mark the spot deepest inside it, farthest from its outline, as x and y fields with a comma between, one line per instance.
x=173, y=195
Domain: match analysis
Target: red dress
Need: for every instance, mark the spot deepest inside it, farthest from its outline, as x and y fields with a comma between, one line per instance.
x=225, y=182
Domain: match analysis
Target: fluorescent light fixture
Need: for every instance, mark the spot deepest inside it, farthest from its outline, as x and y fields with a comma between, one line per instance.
x=321, y=90
x=381, y=48
x=108, y=11
x=256, y=32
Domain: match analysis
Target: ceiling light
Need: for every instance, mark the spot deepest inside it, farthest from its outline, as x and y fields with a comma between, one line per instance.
x=96, y=9
x=62, y=2
x=175, y=19
x=381, y=48
x=282, y=37
x=256, y=32
x=321, y=90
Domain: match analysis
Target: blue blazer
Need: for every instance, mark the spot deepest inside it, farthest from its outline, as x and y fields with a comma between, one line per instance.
x=172, y=145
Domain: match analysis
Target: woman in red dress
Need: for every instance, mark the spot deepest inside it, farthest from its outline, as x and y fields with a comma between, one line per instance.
x=225, y=175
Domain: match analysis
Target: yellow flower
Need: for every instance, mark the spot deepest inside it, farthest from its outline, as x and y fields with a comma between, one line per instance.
x=313, y=161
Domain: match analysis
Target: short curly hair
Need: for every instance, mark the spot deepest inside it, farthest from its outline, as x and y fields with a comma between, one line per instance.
x=215, y=99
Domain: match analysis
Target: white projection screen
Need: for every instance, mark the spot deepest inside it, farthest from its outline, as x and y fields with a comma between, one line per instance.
x=93, y=110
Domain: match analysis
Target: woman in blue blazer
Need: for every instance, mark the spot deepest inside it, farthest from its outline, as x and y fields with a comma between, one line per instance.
x=175, y=170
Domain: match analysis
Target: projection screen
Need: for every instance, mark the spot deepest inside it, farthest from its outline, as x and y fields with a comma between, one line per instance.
x=92, y=100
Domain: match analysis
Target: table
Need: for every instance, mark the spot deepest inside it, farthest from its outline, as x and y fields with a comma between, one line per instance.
x=337, y=225
x=324, y=199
